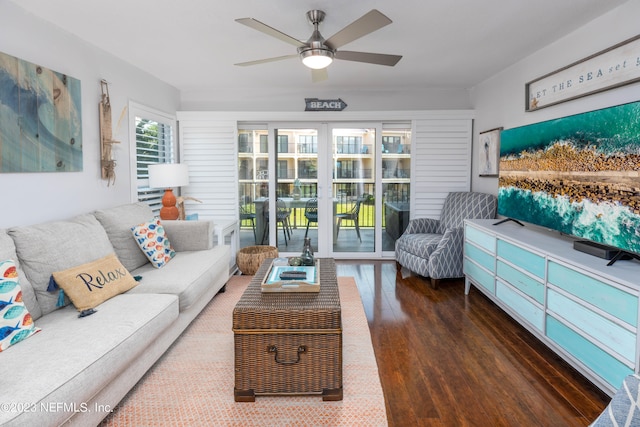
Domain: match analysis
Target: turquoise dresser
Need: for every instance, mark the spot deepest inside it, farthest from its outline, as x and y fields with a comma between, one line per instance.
x=584, y=310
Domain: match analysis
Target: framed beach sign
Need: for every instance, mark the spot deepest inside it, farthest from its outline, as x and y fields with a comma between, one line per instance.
x=616, y=66
x=489, y=152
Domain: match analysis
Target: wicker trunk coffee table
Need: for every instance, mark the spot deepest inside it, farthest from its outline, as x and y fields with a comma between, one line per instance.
x=289, y=342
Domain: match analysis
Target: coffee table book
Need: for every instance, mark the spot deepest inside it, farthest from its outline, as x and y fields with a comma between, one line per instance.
x=273, y=283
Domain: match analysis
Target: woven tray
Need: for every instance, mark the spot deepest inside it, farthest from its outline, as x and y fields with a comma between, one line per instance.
x=312, y=285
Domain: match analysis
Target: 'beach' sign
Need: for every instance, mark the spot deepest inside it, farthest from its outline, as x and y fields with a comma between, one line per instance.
x=315, y=104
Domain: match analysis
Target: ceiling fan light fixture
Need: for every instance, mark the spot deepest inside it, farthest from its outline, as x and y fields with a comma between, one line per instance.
x=317, y=59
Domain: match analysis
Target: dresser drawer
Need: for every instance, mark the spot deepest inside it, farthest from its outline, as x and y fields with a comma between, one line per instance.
x=524, y=283
x=610, y=299
x=486, y=260
x=604, y=330
x=527, y=260
x=520, y=305
x=484, y=240
x=479, y=276
x=599, y=361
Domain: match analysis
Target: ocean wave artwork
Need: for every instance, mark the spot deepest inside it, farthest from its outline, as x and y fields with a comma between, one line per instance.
x=40, y=118
x=579, y=175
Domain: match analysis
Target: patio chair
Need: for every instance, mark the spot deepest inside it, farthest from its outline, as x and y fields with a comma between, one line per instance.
x=245, y=215
x=352, y=215
x=311, y=213
x=282, y=218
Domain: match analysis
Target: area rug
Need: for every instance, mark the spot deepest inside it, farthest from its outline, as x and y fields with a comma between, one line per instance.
x=192, y=384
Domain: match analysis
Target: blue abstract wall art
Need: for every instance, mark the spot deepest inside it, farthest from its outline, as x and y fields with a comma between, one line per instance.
x=40, y=119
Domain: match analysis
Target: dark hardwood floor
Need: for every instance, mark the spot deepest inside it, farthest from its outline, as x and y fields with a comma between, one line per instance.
x=446, y=359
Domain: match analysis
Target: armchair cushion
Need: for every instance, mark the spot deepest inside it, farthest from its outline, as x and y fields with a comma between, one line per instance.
x=419, y=244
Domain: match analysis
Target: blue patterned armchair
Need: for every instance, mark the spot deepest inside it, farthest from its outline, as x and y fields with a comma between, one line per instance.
x=433, y=248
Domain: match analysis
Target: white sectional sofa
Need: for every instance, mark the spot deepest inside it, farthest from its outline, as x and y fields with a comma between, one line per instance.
x=76, y=369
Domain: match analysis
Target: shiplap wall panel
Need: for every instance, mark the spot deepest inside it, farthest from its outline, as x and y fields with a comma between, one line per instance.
x=210, y=149
x=441, y=163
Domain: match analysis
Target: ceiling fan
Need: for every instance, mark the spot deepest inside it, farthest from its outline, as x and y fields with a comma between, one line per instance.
x=317, y=53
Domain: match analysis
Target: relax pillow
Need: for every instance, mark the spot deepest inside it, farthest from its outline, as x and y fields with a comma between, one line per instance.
x=16, y=324
x=88, y=285
x=153, y=241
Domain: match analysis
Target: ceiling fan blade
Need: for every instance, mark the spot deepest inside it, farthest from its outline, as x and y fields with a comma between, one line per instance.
x=264, y=61
x=264, y=28
x=318, y=76
x=370, y=58
x=368, y=23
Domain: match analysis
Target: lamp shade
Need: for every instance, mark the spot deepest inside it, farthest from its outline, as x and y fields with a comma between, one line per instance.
x=168, y=175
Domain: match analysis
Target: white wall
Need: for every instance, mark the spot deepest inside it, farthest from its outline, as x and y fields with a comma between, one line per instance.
x=362, y=99
x=500, y=100
x=30, y=198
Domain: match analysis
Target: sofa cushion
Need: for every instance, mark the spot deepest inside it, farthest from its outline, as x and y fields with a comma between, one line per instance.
x=117, y=222
x=8, y=251
x=152, y=240
x=55, y=246
x=91, y=284
x=73, y=358
x=16, y=324
x=187, y=275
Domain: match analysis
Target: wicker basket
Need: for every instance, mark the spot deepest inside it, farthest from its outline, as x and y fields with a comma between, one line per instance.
x=250, y=258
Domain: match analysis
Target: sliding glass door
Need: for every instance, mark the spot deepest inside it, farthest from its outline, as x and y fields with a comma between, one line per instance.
x=345, y=186
x=353, y=182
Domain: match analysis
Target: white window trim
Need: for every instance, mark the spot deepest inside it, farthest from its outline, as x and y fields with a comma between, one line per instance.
x=140, y=110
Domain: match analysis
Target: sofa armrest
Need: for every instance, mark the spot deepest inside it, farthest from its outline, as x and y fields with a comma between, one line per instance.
x=189, y=235
x=446, y=260
x=422, y=225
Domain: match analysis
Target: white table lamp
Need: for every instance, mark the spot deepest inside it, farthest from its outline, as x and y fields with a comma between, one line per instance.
x=168, y=176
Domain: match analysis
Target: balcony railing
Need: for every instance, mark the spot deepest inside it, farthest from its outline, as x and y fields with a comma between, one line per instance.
x=308, y=148
x=286, y=173
x=355, y=173
x=353, y=148
x=396, y=173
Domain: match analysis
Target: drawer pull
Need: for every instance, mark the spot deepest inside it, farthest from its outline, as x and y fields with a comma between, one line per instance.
x=274, y=349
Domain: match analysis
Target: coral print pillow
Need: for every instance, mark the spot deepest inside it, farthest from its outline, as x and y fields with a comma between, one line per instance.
x=16, y=323
x=151, y=238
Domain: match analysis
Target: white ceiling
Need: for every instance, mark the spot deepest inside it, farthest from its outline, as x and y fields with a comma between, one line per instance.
x=193, y=44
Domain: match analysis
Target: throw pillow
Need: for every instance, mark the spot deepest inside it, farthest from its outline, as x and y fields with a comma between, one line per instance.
x=153, y=241
x=89, y=285
x=16, y=323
